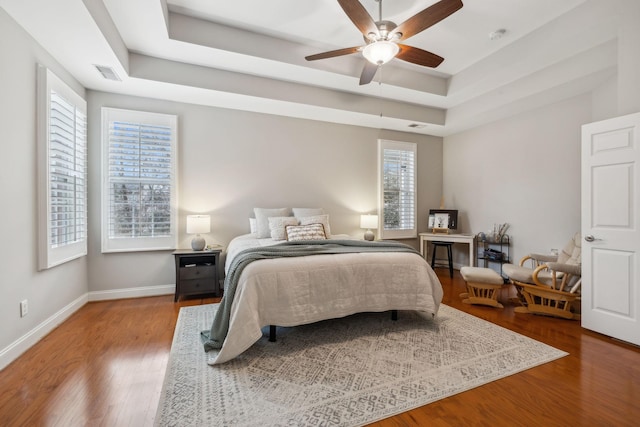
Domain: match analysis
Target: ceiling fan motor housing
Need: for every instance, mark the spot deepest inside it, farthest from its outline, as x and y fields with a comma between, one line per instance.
x=385, y=29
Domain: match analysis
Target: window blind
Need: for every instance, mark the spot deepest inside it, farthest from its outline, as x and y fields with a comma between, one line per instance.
x=140, y=175
x=139, y=180
x=62, y=171
x=399, y=189
x=397, y=175
x=67, y=172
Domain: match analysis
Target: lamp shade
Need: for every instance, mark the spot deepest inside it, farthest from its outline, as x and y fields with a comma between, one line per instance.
x=368, y=221
x=197, y=224
x=380, y=52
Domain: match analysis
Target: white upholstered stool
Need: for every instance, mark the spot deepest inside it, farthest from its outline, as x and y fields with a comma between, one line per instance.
x=483, y=285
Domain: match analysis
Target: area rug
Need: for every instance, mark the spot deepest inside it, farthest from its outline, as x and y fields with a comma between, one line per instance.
x=343, y=372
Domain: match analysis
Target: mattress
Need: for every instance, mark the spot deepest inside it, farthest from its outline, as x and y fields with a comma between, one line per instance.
x=307, y=289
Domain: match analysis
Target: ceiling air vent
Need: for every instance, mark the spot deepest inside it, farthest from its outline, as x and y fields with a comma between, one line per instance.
x=417, y=125
x=107, y=72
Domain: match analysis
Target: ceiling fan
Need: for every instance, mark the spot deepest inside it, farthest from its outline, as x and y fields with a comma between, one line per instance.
x=382, y=37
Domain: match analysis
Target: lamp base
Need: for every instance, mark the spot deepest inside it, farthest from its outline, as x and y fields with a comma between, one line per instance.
x=197, y=244
x=369, y=235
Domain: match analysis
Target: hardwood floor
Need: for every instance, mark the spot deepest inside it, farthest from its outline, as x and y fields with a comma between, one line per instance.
x=105, y=366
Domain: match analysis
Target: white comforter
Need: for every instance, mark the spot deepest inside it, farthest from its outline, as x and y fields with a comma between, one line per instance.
x=299, y=290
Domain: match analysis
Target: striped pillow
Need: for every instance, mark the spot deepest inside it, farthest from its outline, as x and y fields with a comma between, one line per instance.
x=305, y=232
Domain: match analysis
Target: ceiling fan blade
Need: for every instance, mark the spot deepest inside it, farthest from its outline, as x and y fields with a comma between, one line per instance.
x=418, y=56
x=333, y=53
x=368, y=72
x=428, y=17
x=359, y=16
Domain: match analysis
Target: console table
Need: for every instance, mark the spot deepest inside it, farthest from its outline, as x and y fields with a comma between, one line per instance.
x=468, y=239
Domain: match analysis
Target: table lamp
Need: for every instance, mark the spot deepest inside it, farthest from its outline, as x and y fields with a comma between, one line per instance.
x=197, y=224
x=369, y=222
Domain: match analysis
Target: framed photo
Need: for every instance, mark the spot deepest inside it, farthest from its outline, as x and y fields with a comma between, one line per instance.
x=443, y=218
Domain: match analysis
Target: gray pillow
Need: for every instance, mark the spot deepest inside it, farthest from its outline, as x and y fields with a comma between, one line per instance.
x=300, y=212
x=262, y=219
x=277, y=225
x=317, y=219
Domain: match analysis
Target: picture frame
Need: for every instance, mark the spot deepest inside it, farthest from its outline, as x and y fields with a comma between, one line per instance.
x=443, y=219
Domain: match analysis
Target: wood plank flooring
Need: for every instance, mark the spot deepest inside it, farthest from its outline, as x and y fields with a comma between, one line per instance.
x=105, y=365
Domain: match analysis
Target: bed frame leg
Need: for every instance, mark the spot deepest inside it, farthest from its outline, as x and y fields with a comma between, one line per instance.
x=272, y=333
x=394, y=314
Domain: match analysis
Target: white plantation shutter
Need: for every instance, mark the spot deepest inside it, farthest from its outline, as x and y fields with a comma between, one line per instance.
x=397, y=170
x=140, y=185
x=67, y=172
x=62, y=172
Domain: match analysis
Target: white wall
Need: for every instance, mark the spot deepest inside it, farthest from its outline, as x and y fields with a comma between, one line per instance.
x=232, y=161
x=54, y=293
x=524, y=171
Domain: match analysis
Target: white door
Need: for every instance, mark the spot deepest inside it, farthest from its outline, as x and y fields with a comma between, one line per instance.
x=611, y=227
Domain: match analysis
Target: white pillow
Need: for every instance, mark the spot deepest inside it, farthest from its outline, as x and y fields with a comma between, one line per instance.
x=302, y=212
x=262, y=219
x=252, y=225
x=277, y=226
x=317, y=219
x=305, y=232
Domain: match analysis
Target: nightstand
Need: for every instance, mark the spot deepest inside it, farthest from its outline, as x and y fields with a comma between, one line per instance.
x=197, y=272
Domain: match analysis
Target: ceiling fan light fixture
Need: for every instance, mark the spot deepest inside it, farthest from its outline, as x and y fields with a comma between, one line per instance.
x=380, y=52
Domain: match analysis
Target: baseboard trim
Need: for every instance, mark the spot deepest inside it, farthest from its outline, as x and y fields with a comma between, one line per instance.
x=146, y=291
x=25, y=342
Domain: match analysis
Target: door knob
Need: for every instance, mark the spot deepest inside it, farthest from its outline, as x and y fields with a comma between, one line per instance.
x=589, y=238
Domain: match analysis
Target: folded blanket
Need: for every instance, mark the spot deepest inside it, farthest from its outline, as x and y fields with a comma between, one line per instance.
x=214, y=337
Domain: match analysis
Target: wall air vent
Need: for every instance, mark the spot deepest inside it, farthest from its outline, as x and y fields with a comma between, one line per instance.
x=107, y=72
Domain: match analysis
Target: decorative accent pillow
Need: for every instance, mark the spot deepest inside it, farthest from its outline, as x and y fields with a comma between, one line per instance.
x=302, y=212
x=317, y=219
x=305, y=232
x=252, y=225
x=277, y=225
x=262, y=219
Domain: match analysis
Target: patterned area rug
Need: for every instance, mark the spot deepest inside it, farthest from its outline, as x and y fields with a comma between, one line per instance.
x=347, y=372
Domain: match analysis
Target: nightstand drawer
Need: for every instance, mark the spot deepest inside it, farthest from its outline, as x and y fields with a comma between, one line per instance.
x=198, y=272
x=196, y=286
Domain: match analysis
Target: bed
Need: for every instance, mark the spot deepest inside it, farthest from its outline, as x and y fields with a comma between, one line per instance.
x=298, y=290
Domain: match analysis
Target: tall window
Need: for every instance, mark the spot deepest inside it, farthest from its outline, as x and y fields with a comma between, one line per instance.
x=139, y=191
x=397, y=181
x=62, y=172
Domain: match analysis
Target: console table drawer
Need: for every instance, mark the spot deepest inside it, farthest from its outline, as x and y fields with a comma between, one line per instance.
x=197, y=272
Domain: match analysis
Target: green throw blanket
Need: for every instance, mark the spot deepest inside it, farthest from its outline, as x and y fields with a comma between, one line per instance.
x=214, y=337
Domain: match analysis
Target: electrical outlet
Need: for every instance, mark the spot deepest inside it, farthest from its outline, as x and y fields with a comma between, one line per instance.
x=24, y=308
x=554, y=252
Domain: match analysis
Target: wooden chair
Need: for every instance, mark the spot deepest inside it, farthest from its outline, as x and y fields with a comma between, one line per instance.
x=550, y=285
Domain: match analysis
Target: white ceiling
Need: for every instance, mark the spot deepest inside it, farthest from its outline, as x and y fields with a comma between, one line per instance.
x=249, y=55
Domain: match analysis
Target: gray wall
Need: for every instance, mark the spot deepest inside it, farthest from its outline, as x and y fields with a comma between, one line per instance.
x=232, y=161
x=524, y=171
x=49, y=292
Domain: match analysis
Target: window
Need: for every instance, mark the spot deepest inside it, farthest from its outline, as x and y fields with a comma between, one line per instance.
x=397, y=181
x=62, y=172
x=139, y=178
